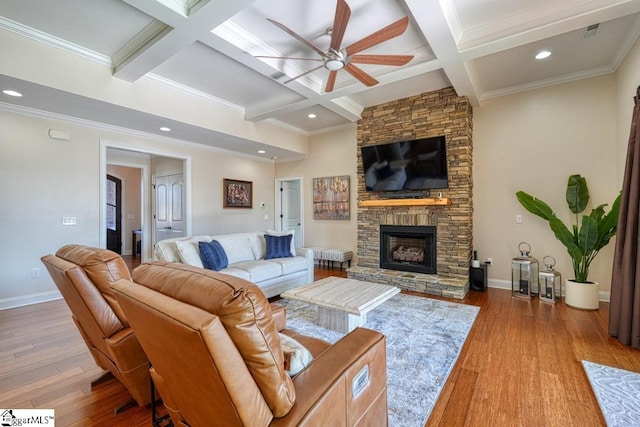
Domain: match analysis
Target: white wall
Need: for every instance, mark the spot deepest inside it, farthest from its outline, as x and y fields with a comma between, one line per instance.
x=44, y=180
x=330, y=154
x=533, y=141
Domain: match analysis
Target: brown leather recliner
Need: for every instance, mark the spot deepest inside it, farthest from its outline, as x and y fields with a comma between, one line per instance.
x=83, y=275
x=214, y=343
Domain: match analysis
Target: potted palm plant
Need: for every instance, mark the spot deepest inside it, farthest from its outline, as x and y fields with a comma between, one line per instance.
x=588, y=235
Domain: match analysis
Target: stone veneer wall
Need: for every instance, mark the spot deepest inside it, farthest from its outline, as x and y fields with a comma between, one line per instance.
x=436, y=113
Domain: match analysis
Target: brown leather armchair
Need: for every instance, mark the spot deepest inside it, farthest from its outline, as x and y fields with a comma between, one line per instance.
x=214, y=344
x=83, y=275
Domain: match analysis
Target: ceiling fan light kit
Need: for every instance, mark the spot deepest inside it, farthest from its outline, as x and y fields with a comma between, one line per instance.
x=335, y=59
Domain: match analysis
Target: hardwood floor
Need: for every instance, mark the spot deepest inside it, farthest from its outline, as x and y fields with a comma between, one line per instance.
x=520, y=366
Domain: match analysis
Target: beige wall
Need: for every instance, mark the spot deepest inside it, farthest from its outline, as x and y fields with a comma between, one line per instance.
x=45, y=180
x=330, y=154
x=533, y=141
x=628, y=79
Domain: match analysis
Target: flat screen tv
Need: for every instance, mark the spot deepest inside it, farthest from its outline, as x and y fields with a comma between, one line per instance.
x=418, y=164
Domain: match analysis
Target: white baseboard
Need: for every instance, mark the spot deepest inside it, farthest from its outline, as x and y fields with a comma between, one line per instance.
x=498, y=284
x=23, y=300
x=506, y=284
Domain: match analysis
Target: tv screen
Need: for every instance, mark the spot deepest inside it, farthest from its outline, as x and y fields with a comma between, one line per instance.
x=419, y=164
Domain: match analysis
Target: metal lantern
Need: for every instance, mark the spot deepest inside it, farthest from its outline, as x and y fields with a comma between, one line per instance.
x=550, y=281
x=524, y=273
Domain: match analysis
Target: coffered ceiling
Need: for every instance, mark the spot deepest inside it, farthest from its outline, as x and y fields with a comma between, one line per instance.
x=483, y=48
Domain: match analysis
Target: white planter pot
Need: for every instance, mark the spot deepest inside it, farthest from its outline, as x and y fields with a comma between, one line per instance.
x=582, y=295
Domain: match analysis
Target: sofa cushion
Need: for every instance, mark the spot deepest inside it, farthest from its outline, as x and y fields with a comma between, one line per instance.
x=278, y=246
x=236, y=246
x=291, y=264
x=166, y=250
x=236, y=272
x=284, y=233
x=189, y=253
x=212, y=255
x=296, y=356
x=259, y=270
x=258, y=245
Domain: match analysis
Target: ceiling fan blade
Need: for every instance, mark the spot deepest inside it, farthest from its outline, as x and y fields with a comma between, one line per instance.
x=356, y=72
x=386, y=33
x=303, y=74
x=381, y=59
x=343, y=13
x=288, y=57
x=331, y=81
x=296, y=36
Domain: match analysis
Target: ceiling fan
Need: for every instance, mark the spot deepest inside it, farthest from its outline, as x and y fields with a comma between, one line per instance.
x=335, y=59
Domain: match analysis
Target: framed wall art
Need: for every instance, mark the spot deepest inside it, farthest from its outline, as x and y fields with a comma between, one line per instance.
x=331, y=197
x=237, y=194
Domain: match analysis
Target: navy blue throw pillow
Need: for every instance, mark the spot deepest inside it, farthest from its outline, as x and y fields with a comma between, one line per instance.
x=278, y=246
x=213, y=255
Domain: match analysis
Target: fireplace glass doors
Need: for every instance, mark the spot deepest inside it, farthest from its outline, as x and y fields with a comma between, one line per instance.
x=408, y=248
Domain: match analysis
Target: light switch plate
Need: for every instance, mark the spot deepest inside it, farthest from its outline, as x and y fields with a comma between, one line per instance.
x=69, y=220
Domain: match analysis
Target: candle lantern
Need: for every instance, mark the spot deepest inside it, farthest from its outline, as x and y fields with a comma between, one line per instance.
x=524, y=273
x=550, y=281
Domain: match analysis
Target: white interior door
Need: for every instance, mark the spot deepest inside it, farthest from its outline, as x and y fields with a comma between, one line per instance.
x=169, y=206
x=291, y=212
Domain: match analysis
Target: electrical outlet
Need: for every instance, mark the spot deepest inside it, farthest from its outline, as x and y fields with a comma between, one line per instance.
x=518, y=219
x=489, y=261
x=35, y=273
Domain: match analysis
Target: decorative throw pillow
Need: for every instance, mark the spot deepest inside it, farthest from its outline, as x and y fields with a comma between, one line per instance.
x=213, y=255
x=285, y=233
x=188, y=251
x=278, y=246
x=296, y=356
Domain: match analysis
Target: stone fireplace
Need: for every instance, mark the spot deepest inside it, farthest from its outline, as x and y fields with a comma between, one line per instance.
x=450, y=214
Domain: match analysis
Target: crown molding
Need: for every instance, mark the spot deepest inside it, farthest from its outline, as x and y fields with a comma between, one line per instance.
x=39, y=36
x=32, y=112
x=175, y=85
x=566, y=78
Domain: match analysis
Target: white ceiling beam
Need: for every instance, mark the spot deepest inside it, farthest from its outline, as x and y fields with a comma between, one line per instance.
x=432, y=22
x=177, y=31
x=139, y=57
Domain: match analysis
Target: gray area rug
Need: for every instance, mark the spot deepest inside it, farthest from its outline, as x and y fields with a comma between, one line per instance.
x=424, y=339
x=617, y=392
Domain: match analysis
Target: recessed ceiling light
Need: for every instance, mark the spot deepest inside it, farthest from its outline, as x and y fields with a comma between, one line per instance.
x=165, y=129
x=543, y=54
x=11, y=92
x=311, y=116
x=261, y=151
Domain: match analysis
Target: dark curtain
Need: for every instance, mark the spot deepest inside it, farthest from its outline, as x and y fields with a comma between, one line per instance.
x=624, y=309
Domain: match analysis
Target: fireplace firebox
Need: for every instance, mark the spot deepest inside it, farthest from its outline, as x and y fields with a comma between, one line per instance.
x=408, y=248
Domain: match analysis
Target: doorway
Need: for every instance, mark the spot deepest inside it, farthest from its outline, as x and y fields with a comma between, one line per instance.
x=114, y=214
x=150, y=161
x=289, y=208
x=168, y=206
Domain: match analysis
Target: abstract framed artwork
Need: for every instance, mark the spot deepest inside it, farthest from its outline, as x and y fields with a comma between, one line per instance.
x=331, y=197
x=237, y=194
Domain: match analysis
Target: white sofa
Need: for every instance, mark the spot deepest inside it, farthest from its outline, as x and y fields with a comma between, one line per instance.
x=246, y=253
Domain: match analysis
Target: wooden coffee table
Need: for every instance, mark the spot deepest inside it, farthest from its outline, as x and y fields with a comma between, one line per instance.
x=342, y=303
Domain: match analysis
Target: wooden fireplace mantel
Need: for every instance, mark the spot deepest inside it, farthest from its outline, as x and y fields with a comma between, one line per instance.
x=443, y=201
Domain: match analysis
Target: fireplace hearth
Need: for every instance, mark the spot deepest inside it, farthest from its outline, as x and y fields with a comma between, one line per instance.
x=408, y=248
